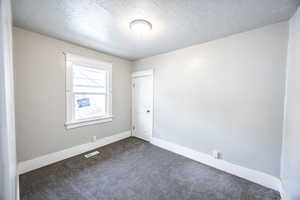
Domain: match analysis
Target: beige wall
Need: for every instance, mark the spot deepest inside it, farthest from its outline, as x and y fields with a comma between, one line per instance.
x=40, y=95
x=226, y=94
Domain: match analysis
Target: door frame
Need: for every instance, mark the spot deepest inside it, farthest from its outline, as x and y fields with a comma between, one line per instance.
x=9, y=181
x=134, y=75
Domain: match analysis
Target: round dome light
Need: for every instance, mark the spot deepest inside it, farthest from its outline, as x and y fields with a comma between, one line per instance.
x=140, y=26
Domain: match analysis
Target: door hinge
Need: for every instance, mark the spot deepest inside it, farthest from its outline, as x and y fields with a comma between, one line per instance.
x=133, y=84
x=133, y=128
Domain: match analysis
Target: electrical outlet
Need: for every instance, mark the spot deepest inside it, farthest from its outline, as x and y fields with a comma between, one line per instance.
x=94, y=138
x=216, y=154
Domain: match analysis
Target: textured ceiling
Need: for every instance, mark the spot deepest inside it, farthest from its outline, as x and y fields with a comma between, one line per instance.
x=104, y=24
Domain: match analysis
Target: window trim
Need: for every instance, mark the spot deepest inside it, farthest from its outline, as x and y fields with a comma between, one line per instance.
x=70, y=59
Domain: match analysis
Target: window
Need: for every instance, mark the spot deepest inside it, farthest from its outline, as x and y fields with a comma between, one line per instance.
x=88, y=91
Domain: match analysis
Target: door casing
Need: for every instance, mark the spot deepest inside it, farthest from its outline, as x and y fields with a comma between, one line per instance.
x=137, y=75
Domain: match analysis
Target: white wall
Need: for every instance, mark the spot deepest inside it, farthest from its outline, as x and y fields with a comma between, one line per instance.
x=40, y=95
x=290, y=169
x=7, y=123
x=226, y=94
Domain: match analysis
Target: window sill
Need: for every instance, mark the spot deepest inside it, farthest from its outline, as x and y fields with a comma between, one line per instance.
x=80, y=123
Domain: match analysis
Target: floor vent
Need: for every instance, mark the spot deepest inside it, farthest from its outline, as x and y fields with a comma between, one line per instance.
x=94, y=153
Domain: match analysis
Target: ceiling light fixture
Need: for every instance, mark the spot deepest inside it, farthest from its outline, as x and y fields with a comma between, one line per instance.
x=140, y=26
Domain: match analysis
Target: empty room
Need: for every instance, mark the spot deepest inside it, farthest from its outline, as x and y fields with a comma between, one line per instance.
x=150, y=100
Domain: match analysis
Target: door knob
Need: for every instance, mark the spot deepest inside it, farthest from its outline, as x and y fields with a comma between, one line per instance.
x=148, y=111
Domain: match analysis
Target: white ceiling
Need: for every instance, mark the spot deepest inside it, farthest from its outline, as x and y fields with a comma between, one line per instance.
x=104, y=24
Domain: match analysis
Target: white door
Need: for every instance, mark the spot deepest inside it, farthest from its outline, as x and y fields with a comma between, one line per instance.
x=142, y=96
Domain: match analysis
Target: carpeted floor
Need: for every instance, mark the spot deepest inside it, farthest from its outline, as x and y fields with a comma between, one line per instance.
x=132, y=169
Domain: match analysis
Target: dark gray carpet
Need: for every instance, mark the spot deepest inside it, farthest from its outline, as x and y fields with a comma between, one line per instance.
x=135, y=170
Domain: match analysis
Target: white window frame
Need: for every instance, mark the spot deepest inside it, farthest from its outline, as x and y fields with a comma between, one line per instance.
x=70, y=119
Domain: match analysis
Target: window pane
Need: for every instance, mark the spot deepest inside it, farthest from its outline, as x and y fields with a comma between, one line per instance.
x=87, y=79
x=87, y=106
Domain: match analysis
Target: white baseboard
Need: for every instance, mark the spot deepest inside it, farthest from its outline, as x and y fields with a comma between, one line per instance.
x=243, y=172
x=29, y=165
x=282, y=192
